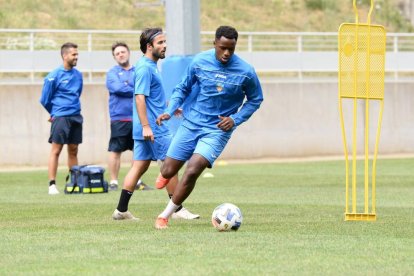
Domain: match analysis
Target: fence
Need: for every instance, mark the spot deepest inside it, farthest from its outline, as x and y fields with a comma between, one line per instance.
x=97, y=40
x=35, y=51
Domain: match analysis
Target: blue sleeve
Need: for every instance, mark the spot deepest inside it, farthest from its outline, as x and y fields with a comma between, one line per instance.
x=47, y=92
x=142, y=81
x=81, y=77
x=81, y=83
x=254, y=97
x=181, y=91
x=117, y=85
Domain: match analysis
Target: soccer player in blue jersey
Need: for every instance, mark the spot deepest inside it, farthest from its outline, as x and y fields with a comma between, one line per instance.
x=151, y=141
x=228, y=93
x=120, y=84
x=61, y=93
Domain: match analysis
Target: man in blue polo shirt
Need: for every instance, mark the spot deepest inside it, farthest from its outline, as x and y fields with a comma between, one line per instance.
x=228, y=93
x=61, y=93
x=151, y=141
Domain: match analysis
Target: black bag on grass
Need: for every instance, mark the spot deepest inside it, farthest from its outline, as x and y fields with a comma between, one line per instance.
x=86, y=179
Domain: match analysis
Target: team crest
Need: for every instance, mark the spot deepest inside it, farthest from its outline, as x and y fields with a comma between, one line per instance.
x=219, y=87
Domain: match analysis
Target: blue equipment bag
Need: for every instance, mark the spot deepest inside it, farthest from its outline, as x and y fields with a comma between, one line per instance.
x=86, y=179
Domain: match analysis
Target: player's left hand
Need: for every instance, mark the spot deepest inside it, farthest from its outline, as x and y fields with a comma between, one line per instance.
x=226, y=123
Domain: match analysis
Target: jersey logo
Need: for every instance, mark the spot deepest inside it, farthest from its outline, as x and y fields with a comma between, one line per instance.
x=221, y=76
x=219, y=87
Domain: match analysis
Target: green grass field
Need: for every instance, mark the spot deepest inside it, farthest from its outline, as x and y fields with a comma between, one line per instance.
x=293, y=224
x=275, y=15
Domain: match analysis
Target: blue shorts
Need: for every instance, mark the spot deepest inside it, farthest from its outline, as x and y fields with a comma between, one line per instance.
x=207, y=142
x=121, y=136
x=147, y=150
x=66, y=130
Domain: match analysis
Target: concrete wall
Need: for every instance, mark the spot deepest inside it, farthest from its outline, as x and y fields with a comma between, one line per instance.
x=295, y=120
x=302, y=120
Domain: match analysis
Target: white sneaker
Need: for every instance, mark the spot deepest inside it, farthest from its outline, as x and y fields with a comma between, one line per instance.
x=53, y=190
x=113, y=186
x=116, y=215
x=184, y=214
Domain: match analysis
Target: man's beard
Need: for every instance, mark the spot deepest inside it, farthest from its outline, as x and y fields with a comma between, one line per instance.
x=158, y=55
x=124, y=64
x=73, y=63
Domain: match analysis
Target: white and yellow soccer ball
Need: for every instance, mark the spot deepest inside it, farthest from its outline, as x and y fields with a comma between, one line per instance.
x=227, y=217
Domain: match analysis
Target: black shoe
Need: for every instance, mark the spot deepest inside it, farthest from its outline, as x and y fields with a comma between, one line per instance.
x=143, y=187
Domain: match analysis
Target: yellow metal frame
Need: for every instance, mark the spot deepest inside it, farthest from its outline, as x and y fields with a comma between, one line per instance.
x=361, y=54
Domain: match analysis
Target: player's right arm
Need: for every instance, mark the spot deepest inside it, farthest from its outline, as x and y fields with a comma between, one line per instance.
x=181, y=91
x=142, y=90
x=47, y=92
x=142, y=115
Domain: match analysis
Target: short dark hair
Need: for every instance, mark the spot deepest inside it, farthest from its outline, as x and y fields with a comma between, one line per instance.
x=117, y=44
x=227, y=31
x=147, y=36
x=67, y=46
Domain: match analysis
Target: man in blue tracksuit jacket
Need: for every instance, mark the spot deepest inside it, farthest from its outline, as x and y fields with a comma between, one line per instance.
x=61, y=93
x=228, y=93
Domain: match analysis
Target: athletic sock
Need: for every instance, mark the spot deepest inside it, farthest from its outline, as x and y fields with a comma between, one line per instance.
x=171, y=207
x=52, y=182
x=114, y=182
x=124, y=200
x=179, y=207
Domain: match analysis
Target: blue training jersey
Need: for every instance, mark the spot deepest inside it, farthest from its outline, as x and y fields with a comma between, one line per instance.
x=148, y=82
x=221, y=89
x=61, y=92
x=120, y=84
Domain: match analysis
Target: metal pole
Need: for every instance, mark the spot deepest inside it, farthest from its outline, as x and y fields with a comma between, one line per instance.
x=183, y=27
x=250, y=43
x=32, y=50
x=90, y=54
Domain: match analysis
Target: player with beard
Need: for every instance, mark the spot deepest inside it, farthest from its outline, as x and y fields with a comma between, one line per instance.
x=151, y=141
x=120, y=84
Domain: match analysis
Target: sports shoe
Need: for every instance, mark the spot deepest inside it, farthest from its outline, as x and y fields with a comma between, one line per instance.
x=143, y=187
x=161, y=182
x=113, y=187
x=53, y=190
x=116, y=215
x=161, y=223
x=184, y=214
